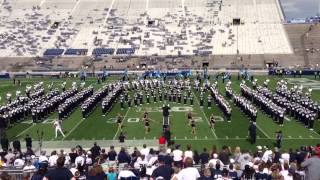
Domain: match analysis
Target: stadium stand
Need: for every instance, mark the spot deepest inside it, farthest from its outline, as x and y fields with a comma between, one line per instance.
x=168, y=163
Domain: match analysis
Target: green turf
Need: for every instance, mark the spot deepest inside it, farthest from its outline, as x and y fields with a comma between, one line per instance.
x=100, y=127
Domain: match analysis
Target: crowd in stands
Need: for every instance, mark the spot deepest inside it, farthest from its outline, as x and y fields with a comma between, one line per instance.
x=165, y=163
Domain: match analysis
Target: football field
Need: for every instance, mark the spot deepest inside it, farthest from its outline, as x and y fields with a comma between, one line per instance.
x=234, y=133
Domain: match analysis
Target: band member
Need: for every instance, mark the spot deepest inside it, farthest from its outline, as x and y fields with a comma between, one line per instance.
x=209, y=101
x=185, y=98
x=148, y=98
x=119, y=121
x=154, y=98
x=201, y=101
x=212, y=121
x=57, y=125
x=121, y=102
x=191, y=99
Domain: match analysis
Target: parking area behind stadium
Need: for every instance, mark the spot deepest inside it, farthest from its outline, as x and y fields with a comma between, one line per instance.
x=97, y=127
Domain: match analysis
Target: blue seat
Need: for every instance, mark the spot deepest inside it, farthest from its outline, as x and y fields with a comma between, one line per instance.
x=76, y=52
x=125, y=51
x=53, y=52
x=102, y=51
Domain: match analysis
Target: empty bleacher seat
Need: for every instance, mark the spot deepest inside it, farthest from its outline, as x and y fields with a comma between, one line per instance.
x=102, y=51
x=53, y=52
x=76, y=52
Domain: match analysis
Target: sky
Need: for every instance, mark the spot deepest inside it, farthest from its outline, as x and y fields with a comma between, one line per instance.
x=300, y=8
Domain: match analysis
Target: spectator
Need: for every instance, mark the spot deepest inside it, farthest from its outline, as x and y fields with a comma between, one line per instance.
x=213, y=151
x=163, y=171
x=312, y=165
x=196, y=157
x=217, y=171
x=126, y=173
x=29, y=166
x=4, y=143
x=145, y=151
x=177, y=156
x=162, y=141
x=189, y=172
x=28, y=141
x=9, y=156
x=112, y=175
x=188, y=152
x=39, y=175
x=204, y=156
x=96, y=173
x=80, y=159
x=16, y=145
x=232, y=173
x=244, y=159
x=206, y=175
x=53, y=159
x=112, y=155
x=276, y=155
x=123, y=157
x=237, y=153
x=73, y=155
x=224, y=155
x=95, y=150
x=285, y=172
x=261, y=175
x=60, y=172
x=247, y=172
x=43, y=157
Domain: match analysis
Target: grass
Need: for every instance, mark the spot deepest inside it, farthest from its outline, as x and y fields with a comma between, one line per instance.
x=98, y=127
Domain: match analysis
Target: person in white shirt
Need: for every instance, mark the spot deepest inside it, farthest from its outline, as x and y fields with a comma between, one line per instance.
x=177, y=156
x=215, y=160
x=188, y=173
x=43, y=157
x=53, y=159
x=29, y=166
x=188, y=152
x=18, y=163
x=285, y=156
x=79, y=161
x=126, y=173
x=285, y=172
x=57, y=125
x=145, y=151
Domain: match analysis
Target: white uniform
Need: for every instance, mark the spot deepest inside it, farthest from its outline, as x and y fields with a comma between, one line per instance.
x=57, y=125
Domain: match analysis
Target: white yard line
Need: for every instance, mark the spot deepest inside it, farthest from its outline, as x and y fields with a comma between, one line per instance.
x=75, y=127
x=287, y=119
x=24, y=130
x=263, y=131
x=214, y=134
x=108, y=14
x=75, y=6
x=124, y=118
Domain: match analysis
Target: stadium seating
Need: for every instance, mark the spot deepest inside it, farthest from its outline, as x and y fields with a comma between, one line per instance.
x=76, y=52
x=125, y=51
x=53, y=52
x=103, y=51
